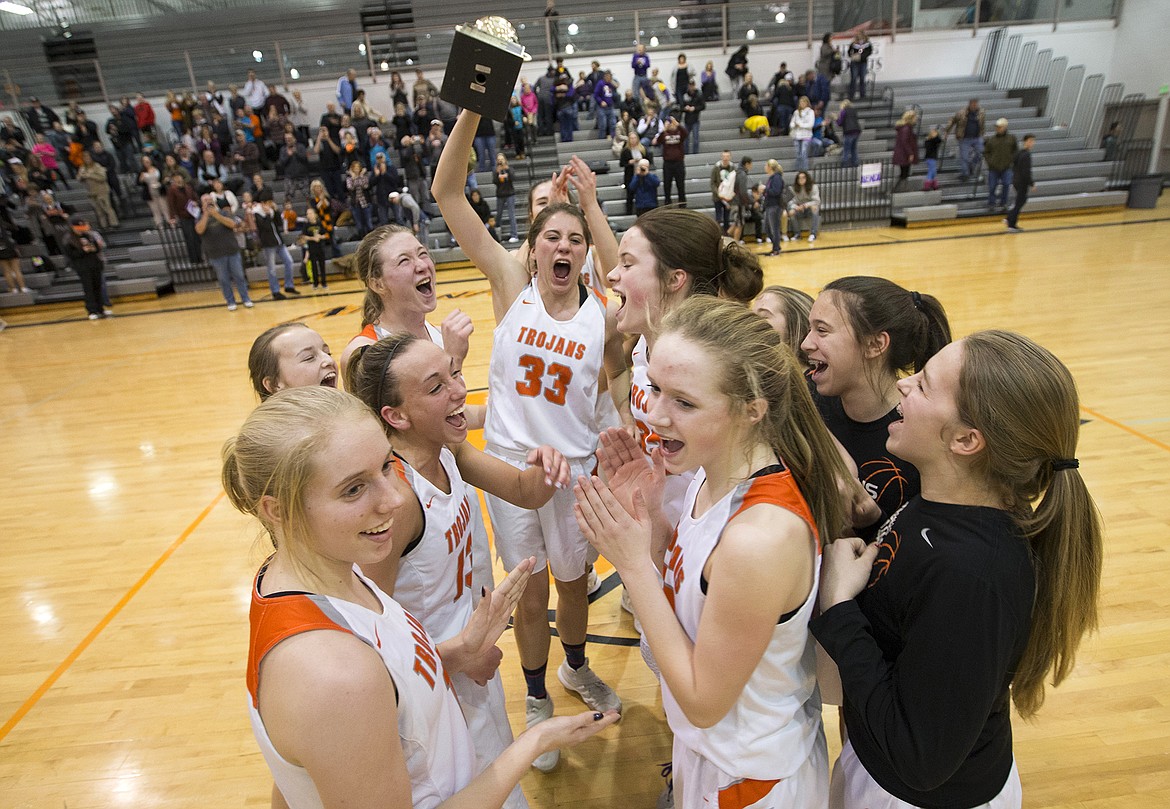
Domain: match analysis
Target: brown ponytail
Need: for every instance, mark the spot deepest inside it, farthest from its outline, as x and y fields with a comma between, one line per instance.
x=369, y=266
x=370, y=375
x=1024, y=402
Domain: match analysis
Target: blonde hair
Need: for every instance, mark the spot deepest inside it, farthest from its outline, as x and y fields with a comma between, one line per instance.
x=368, y=259
x=273, y=455
x=754, y=363
x=908, y=117
x=1024, y=402
x=774, y=165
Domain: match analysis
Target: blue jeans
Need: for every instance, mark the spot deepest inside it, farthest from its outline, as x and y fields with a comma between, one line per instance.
x=970, y=156
x=485, y=148
x=995, y=178
x=781, y=117
x=802, y=149
x=230, y=270
x=606, y=122
x=270, y=254
x=857, y=78
x=506, y=204
x=849, y=155
x=567, y=120
x=363, y=218
x=806, y=219
x=692, y=144
x=931, y=168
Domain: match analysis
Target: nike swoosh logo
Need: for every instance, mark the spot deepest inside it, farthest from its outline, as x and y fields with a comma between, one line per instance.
x=926, y=538
x=429, y=500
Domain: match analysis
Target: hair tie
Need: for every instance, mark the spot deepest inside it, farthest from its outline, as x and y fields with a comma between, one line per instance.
x=917, y=300
x=1060, y=464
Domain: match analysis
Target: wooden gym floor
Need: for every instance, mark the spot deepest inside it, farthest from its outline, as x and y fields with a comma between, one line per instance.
x=125, y=573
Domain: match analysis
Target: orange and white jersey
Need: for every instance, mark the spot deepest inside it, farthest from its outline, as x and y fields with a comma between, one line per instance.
x=434, y=575
x=774, y=725
x=591, y=277
x=375, y=332
x=674, y=490
x=543, y=377
x=435, y=741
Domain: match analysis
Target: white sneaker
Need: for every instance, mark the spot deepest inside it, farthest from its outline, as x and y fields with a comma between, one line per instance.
x=784, y=237
x=93, y=316
x=513, y=240
x=589, y=687
x=108, y=312
x=231, y=307
x=249, y=304
x=812, y=237
x=26, y=289
x=592, y=582
x=535, y=712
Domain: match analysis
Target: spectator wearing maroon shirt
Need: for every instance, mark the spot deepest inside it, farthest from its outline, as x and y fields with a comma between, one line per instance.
x=673, y=139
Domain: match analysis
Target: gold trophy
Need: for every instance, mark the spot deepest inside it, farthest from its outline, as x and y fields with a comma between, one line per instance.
x=483, y=67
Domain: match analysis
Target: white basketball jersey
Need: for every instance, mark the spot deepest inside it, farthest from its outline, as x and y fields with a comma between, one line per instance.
x=434, y=577
x=674, y=491
x=771, y=729
x=434, y=736
x=591, y=277
x=543, y=377
x=435, y=335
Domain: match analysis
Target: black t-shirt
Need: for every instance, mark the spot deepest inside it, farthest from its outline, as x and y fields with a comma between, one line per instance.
x=927, y=652
x=890, y=480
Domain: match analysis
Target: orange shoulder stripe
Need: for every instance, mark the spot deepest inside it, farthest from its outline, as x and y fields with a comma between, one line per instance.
x=273, y=620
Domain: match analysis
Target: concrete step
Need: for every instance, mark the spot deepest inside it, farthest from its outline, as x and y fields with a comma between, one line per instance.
x=140, y=269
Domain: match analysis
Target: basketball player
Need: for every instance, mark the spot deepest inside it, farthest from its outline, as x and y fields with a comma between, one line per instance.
x=546, y=360
x=290, y=355
x=727, y=619
x=786, y=310
x=865, y=332
x=976, y=591
x=418, y=391
x=350, y=701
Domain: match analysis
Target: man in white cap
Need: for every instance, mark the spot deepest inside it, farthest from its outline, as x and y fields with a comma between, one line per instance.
x=1000, y=152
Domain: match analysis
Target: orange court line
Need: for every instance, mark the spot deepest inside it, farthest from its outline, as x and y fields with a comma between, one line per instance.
x=1119, y=425
x=105, y=621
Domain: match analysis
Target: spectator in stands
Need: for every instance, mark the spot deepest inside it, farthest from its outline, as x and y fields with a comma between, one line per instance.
x=905, y=146
x=218, y=225
x=801, y=128
x=640, y=62
x=583, y=92
x=1000, y=153
x=174, y=107
x=1111, y=142
x=860, y=49
x=1022, y=181
x=144, y=115
x=743, y=200
x=645, y=187
x=514, y=128
x=360, y=121
x=106, y=161
x=183, y=209
x=254, y=91
x=331, y=120
x=737, y=67
x=804, y=209
x=224, y=198
x=649, y=124
x=274, y=101
x=672, y=139
x=412, y=155
x=563, y=94
x=605, y=98
x=709, y=82
x=150, y=180
x=85, y=131
x=621, y=133
x=783, y=106
x=260, y=190
x=210, y=169
x=62, y=142
x=655, y=90
x=298, y=116
x=10, y=131
x=681, y=77
x=775, y=213
x=384, y=179
x=631, y=155
x=531, y=106
x=397, y=90
x=221, y=130
x=423, y=88
x=424, y=113
x=245, y=155
x=825, y=56
x=434, y=144
x=692, y=104
x=83, y=246
x=185, y=160
x=817, y=89
x=632, y=104
x=120, y=131
x=207, y=142
x=40, y=118
x=849, y=123
x=404, y=210
x=719, y=173
x=746, y=90
x=48, y=156
x=505, y=196
x=9, y=253
x=97, y=187
x=357, y=183
x=485, y=144
x=755, y=122
x=294, y=164
x=969, y=126
x=377, y=143
x=932, y=145
x=317, y=241
x=346, y=90
x=479, y=205
x=236, y=102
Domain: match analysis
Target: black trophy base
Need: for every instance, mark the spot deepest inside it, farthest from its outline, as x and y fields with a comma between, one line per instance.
x=481, y=73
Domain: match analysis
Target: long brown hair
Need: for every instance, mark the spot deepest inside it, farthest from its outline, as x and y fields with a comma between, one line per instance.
x=1024, y=402
x=368, y=259
x=369, y=375
x=263, y=366
x=755, y=363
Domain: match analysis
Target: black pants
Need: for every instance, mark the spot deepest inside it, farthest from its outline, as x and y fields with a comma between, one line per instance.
x=675, y=170
x=91, y=286
x=1021, y=198
x=194, y=243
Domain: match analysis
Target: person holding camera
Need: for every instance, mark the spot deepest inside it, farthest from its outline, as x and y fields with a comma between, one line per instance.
x=673, y=139
x=645, y=187
x=83, y=247
x=218, y=226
